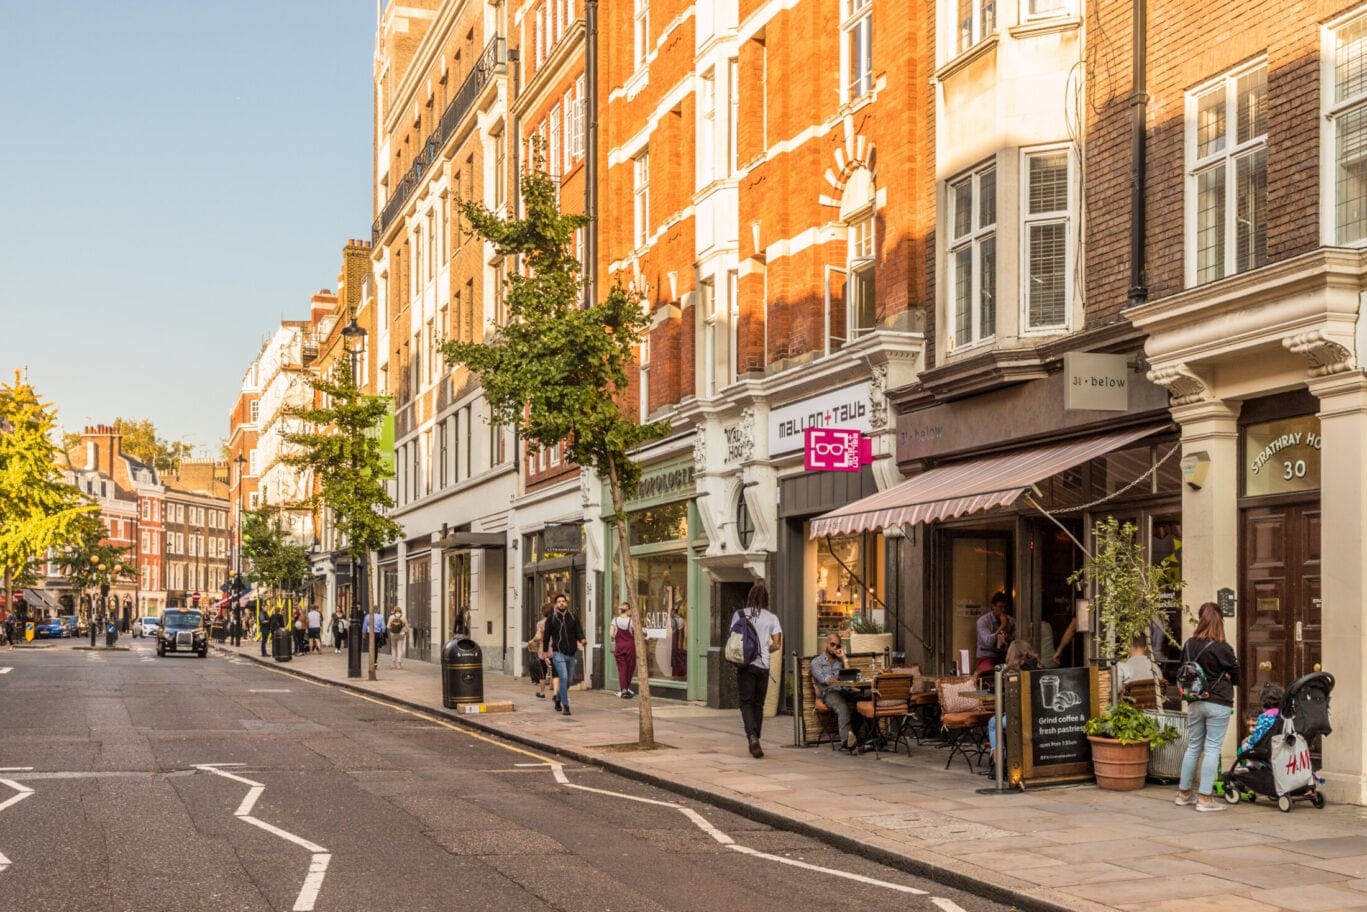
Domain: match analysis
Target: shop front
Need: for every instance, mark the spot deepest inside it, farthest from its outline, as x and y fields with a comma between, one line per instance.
x=1004, y=487
x=665, y=535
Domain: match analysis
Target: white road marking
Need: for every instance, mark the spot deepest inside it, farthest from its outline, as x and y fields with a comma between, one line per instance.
x=318, y=864
x=21, y=792
x=271, y=690
x=15, y=769
x=702, y=823
x=557, y=769
x=6, y=669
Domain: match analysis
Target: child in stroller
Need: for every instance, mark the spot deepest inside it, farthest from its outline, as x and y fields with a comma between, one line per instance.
x=1305, y=704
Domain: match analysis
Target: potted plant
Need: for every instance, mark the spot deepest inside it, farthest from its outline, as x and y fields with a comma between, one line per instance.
x=1121, y=741
x=866, y=635
x=1131, y=595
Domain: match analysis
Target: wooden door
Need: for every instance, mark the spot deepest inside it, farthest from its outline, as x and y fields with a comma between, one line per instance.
x=1280, y=615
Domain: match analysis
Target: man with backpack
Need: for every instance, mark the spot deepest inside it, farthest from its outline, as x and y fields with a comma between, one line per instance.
x=755, y=633
x=561, y=639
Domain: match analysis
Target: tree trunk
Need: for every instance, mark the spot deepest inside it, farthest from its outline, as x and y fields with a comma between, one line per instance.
x=646, y=720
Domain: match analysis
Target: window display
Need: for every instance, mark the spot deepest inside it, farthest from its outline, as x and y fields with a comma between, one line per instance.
x=848, y=579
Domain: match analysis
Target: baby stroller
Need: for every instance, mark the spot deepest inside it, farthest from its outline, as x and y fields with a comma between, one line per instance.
x=1304, y=710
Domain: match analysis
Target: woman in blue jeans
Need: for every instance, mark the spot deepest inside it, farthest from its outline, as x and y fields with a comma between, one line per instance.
x=1207, y=719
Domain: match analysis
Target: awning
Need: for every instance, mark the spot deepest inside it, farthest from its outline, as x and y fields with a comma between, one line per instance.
x=474, y=540
x=40, y=598
x=968, y=487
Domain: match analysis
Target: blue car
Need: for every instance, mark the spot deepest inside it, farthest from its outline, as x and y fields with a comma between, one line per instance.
x=50, y=628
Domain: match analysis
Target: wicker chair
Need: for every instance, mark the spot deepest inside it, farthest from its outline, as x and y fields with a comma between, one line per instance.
x=890, y=705
x=962, y=719
x=1144, y=693
x=820, y=714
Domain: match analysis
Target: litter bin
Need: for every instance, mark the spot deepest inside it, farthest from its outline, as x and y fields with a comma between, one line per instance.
x=111, y=633
x=282, y=645
x=462, y=673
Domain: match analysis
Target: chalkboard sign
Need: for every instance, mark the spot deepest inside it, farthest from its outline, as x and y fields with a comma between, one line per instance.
x=1045, y=711
x=1060, y=703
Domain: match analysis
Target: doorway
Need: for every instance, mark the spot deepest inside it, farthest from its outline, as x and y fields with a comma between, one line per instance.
x=1279, y=626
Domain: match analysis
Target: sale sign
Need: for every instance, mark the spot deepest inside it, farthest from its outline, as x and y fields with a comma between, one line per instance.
x=836, y=450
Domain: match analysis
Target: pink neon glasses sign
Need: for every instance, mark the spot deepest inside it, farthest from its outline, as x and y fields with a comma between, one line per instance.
x=836, y=450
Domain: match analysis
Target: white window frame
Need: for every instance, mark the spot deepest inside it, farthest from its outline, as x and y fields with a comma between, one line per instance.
x=553, y=137
x=1333, y=112
x=1029, y=14
x=707, y=306
x=640, y=178
x=707, y=126
x=732, y=373
x=980, y=25
x=540, y=35
x=732, y=113
x=856, y=76
x=1227, y=158
x=1066, y=218
x=858, y=262
x=640, y=32
x=976, y=235
x=576, y=144
x=644, y=371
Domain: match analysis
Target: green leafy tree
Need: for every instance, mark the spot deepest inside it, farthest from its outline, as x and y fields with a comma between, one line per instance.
x=1131, y=594
x=349, y=465
x=139, y=439
x=558, y=369
x=277, y=562
x=38, y=510
x=81, y=559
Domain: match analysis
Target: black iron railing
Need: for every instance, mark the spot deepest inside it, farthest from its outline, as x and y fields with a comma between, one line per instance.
x=492, y=62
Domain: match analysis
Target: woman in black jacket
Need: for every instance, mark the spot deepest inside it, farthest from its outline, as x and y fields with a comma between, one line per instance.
x=1208, y=717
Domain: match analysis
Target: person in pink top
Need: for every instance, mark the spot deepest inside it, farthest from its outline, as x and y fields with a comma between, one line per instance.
x=624, y=649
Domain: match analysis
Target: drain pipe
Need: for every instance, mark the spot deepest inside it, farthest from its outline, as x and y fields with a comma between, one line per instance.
x=1139, y=292
x=591, y=152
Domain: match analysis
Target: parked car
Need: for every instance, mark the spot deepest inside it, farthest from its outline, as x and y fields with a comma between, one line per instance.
x=49, y=629
x=182, y=631
x=73, y=626
x=146, y=627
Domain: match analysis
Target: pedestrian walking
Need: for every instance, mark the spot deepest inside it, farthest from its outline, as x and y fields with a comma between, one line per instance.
x=272, y=625
x=536, y=665
x=10, y=629
x=398, y=638
x=1210, y=703
x=338, y=627
x=563, y=638
x=752, y=678
x=624, y=649
x=314, y=620
x=301, y=644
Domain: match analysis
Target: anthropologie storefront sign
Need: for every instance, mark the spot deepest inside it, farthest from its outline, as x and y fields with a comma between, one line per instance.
x=847, y=407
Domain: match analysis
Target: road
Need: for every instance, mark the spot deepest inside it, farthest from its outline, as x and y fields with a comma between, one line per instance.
x=129, y=782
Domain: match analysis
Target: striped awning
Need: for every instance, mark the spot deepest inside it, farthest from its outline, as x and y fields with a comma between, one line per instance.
x=968, y=487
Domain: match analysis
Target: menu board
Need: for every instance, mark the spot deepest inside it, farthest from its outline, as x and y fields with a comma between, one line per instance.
x=1060, y=704
x=1045, y=711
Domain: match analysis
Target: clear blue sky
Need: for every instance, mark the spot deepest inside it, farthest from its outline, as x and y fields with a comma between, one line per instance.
x=175, y=177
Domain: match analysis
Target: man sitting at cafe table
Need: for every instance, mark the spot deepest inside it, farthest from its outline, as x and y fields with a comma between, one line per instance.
x=826, y=670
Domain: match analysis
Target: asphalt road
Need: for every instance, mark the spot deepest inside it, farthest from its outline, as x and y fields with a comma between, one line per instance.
x=129, y=782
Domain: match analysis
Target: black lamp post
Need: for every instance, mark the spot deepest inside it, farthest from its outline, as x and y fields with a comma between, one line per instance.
x=353, y=337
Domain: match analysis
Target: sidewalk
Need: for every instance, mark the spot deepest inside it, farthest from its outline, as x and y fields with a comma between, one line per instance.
x=1072, y=847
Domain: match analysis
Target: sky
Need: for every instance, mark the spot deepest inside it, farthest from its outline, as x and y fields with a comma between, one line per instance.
x=175, y=178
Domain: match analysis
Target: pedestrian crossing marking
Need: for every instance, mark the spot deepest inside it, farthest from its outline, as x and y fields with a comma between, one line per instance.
x=6, y=670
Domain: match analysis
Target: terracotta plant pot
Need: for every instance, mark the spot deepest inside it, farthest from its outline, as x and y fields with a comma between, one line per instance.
x=1119, y=767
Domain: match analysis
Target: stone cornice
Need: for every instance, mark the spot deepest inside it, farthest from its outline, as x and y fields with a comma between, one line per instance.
x=1308, y=305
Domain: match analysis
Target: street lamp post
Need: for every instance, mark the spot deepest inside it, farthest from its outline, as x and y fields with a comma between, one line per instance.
x=353, y=337
x=90, y=616
x=240, y=461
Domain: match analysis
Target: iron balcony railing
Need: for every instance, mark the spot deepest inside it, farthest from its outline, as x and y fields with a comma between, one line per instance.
x=492, y=62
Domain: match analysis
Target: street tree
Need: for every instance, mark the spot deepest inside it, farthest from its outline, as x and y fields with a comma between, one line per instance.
x=38, y=509
x=277, y=561
x=557, y=370
x=89, y=561
x=349, y=465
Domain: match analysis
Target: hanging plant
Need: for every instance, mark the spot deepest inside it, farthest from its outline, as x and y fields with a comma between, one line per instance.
x=1131, y=594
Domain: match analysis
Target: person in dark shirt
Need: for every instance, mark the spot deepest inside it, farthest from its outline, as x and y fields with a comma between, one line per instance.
x=1207, y=719
x=562, y=639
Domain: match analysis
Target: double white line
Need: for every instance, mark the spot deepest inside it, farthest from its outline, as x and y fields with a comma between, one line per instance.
x=318, y=865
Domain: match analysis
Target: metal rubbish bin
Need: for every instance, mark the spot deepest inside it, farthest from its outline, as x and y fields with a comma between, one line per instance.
x=282, y=645
x=462, y=673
